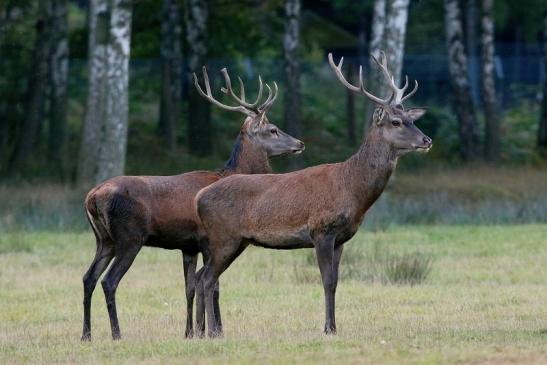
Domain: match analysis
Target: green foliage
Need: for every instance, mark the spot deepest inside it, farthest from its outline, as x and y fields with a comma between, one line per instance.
x=376, y=264
x=14, y=242
x=247, y=38
x=145, y=30
x=519, y=127
x=407, y=269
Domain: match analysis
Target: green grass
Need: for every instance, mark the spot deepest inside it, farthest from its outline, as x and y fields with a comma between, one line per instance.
x=483, y=303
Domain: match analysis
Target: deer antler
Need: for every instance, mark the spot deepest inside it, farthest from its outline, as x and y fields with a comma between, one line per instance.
x=270, y=99
x=361, y=87
x=244, y=107
x=398, y=95
x=396, y=98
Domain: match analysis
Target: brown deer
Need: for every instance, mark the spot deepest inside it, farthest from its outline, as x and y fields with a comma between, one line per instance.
x=320, y=207
x=129, y=212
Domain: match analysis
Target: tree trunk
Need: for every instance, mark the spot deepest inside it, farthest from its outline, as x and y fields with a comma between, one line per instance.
x=395, y=33
x=36, y=92
x=376, y=45
x=104, y=141
x=362, y=57
x=291, y=42
x=542, y=132
x=58, y=74
x=199, y=119
x=171, y=67
x=457, y=62
x=471, y=36
x=350, y=107
x=99, y=19
x=488, y=82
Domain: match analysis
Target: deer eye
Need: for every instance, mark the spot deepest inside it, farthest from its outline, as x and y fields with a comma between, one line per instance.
x=273, y=131
x=396, y=122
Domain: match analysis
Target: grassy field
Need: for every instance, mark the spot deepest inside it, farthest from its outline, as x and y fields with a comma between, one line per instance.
x=483, y=303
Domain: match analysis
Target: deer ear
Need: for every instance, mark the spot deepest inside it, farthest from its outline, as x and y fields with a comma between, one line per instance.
x=262, y=118
x=416, y=113
x=379, y=115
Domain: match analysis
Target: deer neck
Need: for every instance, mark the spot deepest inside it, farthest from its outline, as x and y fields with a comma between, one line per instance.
x=368, y=171
x=246, y=158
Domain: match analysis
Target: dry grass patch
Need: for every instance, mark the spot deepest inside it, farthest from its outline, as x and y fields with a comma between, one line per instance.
x=483, y=302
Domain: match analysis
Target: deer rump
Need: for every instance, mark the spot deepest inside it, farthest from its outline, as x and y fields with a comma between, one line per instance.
x=156, y=210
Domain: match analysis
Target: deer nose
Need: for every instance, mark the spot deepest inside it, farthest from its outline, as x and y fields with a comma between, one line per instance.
x=302, y=145
x=427, y=141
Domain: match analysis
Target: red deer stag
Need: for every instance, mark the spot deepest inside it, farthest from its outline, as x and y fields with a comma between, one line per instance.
x=128, y=212
x=320, y=207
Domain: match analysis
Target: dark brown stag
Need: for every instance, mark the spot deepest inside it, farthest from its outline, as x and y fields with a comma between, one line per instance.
x=129, y=212
x=319, y=207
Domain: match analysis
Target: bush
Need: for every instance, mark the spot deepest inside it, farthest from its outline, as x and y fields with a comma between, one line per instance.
x=407, y=269
x=379, y=265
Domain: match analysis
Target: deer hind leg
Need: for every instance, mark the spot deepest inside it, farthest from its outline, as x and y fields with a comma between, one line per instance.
x=216, y=304
x=200, y=301
x=125, y=256
x=103, y=256
x=210, y=285
x=200, y=305
x=190, y=263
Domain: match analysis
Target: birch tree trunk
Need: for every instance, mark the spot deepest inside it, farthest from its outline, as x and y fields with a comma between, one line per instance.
x=199, y=123
x=376, y=45
x=171, y=67
x=350, y=107
x=58, y=75
x=470, y=19
x=95, y=109
x=488, y=82
x=104, y=140
x=395, y=33
x=542, y=132
x=291, y=41
x=36, y=92
x=457, y=62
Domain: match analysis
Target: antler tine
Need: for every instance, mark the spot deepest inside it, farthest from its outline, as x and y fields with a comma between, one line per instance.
x=269, y=102
x=340, y=75
x=241, y=100
x=412, y=92
x=360, y=88
x=265, y=103
x=241, y=88
x=260, y=89
x=398, y=94
x=209, y=95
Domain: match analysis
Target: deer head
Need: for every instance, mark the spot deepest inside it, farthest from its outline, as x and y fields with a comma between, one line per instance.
x=394, y=122
x=262, y=134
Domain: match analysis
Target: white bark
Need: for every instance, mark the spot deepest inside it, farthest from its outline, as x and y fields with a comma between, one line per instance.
x=488, y=81
x=395, y=33
x=378, y=28
x=114, y=139
x=457, y=62
x=388, y=35
x=104, y=140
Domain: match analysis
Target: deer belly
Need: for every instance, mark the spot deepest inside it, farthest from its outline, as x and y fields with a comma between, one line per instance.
x=286, y=240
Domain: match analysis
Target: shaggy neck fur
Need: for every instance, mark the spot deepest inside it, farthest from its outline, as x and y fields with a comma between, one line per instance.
x=368, y=171
x=246, y=158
